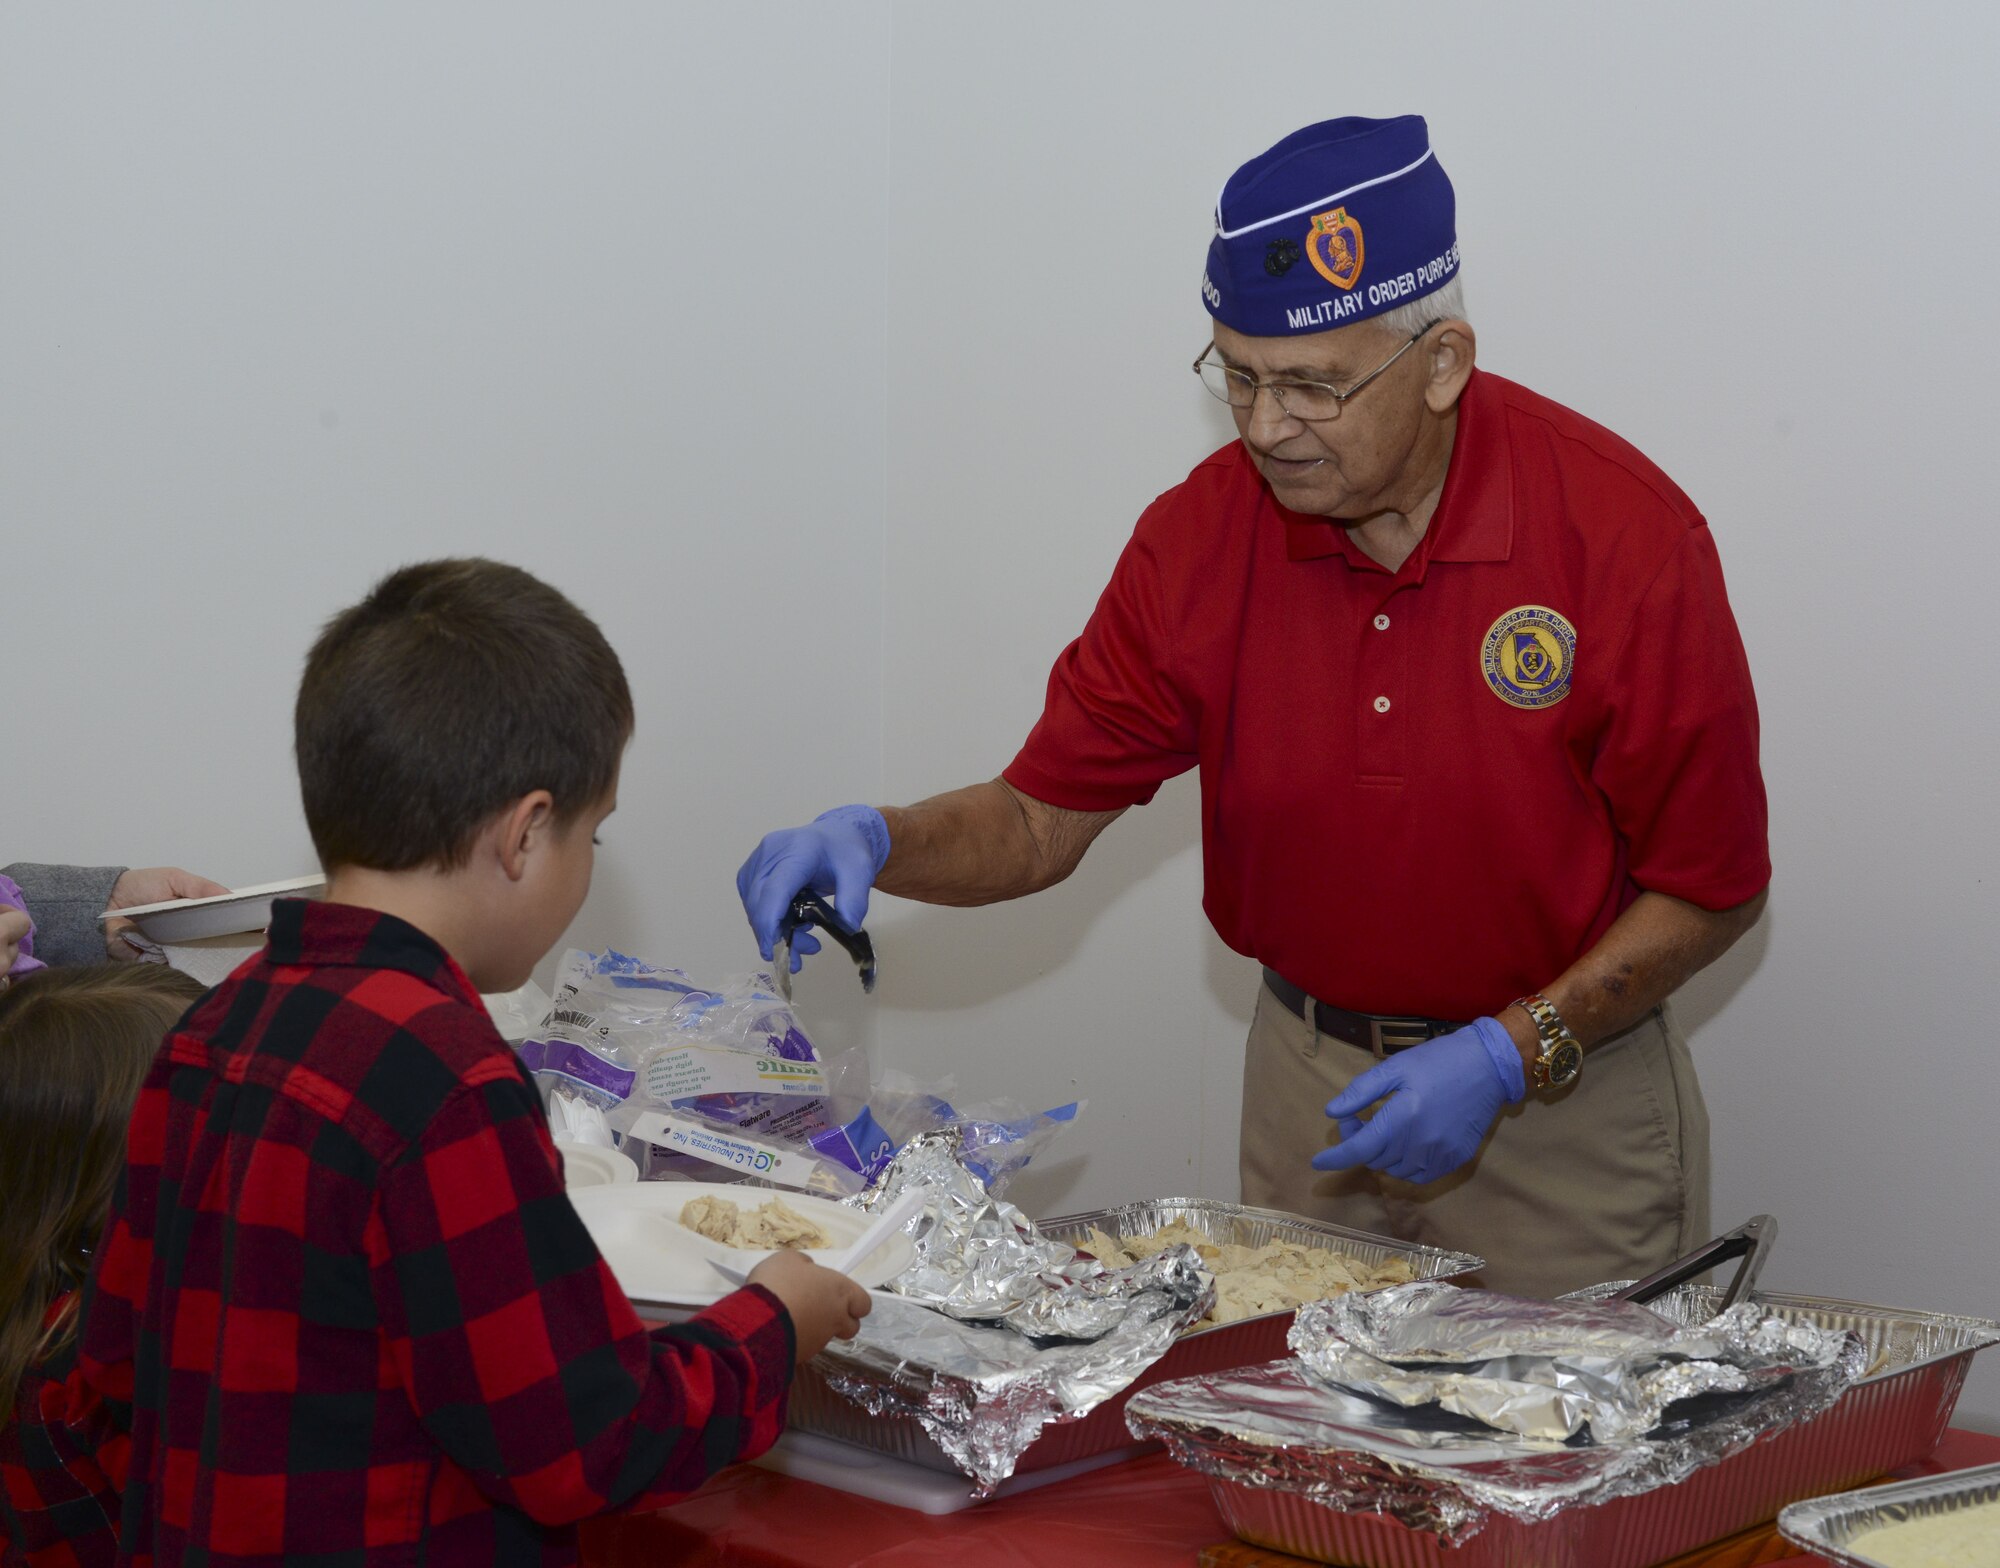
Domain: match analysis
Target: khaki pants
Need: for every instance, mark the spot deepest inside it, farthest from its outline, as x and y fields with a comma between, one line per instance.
x=1606, y=1179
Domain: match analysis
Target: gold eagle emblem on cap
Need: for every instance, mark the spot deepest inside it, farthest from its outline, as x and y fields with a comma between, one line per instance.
x=1528, y=657
x=1333, y=246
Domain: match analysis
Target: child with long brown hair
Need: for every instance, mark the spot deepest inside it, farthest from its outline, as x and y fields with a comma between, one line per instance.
x=75, y=1045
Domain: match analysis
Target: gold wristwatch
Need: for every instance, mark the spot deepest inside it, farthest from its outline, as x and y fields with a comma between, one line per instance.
x=1562, y=1054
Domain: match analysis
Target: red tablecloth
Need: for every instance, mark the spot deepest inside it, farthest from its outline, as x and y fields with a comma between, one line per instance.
x=1147, y=1512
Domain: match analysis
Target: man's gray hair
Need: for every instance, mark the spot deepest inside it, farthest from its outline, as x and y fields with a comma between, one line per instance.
x=1445, y=304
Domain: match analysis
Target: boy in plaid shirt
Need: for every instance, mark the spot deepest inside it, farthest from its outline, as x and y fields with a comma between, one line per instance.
x=344, y=1308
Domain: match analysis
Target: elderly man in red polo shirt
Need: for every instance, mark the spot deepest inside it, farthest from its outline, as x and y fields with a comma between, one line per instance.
x=1477, y=742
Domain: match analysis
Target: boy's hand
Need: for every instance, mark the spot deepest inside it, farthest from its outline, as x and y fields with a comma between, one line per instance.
x=824, y=1304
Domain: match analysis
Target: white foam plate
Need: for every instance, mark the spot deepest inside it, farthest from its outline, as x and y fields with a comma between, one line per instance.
x=659, y=1260
x=190, y=919
x=592, y=1165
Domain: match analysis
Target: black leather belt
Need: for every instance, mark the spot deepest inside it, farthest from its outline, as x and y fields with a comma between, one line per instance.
x=1383, y=1036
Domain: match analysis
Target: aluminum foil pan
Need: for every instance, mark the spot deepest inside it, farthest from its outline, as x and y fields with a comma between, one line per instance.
x=1240, y=1225
x=1837, y=1527
x=1895, y=1415
x=896, y=1430
x=984, y=1392
x=1548, y=1370
x=1899, y=1339
x=1448, y=1474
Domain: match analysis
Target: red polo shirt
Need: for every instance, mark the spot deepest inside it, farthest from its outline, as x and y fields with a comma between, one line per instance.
x=1380, y=824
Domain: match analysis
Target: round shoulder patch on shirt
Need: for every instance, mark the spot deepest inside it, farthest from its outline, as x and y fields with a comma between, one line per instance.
x=1528, y=656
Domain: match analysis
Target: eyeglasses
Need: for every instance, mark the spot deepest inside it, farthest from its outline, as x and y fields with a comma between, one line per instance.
x=1308, y=400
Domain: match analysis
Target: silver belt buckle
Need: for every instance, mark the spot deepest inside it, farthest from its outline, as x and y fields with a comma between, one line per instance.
x=1396, y=1034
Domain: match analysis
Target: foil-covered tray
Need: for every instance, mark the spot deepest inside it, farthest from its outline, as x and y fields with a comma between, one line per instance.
x=1894, y=1415
x=1831, y=1527
x=1554, y=1372
x=819, y=1408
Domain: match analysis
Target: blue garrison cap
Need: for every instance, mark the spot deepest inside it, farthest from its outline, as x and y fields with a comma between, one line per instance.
x=1338, y=222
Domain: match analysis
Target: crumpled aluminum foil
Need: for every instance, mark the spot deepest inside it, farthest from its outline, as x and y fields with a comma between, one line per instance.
x=1545, y=1369
x=1277, y=1427
x=996, y=1330
x=979, y=1258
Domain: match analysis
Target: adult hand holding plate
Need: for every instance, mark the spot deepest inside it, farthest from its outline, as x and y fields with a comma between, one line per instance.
x=144, y=887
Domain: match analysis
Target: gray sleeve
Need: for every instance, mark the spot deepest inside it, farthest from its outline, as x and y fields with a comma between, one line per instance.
x=64, y=902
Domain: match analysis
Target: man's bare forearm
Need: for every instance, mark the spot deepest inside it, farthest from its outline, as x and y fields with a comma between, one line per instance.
x=1650, y=951
x=982, y=844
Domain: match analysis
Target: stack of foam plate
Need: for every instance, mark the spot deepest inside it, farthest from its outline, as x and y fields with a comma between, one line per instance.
x=592, y=1165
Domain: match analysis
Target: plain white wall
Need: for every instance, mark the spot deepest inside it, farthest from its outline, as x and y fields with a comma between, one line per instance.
x=827, y=356
x=292, y=295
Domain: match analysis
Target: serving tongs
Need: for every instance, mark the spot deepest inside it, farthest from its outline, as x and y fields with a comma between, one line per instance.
x=1750, y=1241
x=809, y=909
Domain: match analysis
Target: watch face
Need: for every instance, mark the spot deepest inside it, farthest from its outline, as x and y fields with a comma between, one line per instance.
x=1565, y=1062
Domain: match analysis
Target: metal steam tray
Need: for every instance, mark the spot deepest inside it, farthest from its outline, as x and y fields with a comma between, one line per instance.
x=1894, y=1416
x=817, y=1407
x=1828, y=1526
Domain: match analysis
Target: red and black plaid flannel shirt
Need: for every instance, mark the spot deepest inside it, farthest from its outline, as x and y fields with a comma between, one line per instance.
x=345, y=1306
x=57, y=1507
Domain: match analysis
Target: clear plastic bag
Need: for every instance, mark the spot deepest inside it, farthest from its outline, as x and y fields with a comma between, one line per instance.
x=722, y=1083
x=853, y=1144
x=620, y=1029
x=1000, y=1136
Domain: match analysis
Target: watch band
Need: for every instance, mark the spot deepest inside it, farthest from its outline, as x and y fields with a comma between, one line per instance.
x=1562, y=1053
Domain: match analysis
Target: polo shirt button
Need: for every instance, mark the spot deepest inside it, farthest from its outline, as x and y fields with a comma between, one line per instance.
x=1381, y=623
x=1381, y=704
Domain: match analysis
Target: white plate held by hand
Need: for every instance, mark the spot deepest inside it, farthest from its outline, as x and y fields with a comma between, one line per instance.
x=190, y=919
x=659, y=1260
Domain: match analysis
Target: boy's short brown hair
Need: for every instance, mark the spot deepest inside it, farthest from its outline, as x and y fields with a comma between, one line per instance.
x=452, y=690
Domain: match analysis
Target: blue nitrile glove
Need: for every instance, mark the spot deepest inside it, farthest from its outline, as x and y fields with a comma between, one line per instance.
x=840, y=852
x=1443, y=1096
